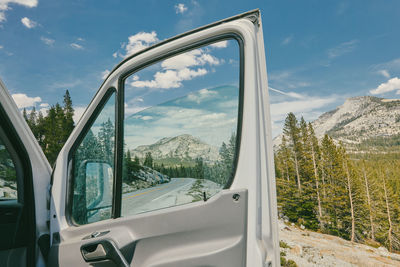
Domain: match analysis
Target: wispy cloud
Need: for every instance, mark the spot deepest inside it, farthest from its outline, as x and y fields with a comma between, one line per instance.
x=24, y=101
x=180, y=8
x=291, y=94
x=104, y=74
x=287, y=40
x=342, y=49
x=76, y=46
x=191, y=18
x=47, y=41
x=4, y=6
x=310, y=107
x=390, y=66
x=389, y=86
x=30, y=24
x=65, y=85
x=384, y=73
x=286, y=79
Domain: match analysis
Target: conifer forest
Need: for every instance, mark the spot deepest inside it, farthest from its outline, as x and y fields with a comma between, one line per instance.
x=351, y=195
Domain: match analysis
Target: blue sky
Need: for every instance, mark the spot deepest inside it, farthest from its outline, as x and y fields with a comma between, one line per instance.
x=318, y=52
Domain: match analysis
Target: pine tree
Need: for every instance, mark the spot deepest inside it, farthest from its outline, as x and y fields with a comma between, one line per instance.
x=148, y=161
x=315, y=156
x=292, y=131
x=68, y=122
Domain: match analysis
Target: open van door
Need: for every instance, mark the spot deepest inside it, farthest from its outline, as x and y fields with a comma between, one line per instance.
x=24, y=189
x=170, y=165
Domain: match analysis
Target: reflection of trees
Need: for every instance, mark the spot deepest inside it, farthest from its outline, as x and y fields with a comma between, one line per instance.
x=92, y=148
x=218, y=172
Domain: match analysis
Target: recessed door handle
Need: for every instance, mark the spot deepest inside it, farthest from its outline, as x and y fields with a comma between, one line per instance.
x=104, y=249
x=94, y=253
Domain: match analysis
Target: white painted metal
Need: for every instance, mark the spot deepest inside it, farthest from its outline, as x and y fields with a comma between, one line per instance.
x=41, y=169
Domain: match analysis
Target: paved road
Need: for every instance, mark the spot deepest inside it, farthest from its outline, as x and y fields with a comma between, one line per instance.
x=157, y=197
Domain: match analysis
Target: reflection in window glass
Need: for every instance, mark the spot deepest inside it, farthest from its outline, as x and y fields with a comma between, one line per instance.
x=8, y=176
x=93, y=169
x=180, y=128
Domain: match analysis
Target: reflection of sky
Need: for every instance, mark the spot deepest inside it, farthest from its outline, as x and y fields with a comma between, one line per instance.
x=174, y=97
x=209, y=114
x=225, y=72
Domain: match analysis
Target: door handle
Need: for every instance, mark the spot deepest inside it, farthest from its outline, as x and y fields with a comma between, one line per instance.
x=104, y=249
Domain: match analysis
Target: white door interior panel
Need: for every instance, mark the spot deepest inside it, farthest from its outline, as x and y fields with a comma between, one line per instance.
x=210, y=233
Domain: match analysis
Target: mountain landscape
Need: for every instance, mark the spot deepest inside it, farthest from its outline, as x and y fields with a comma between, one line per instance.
x=361, y=123
x=339, y=175
x=184, y=148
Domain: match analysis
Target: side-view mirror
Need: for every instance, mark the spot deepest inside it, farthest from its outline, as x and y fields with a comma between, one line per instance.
x=95, y=194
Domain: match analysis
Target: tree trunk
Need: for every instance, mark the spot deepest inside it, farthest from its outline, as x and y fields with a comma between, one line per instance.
x=388, y=214
x=369, y=204
x=317, y=186
x=297, y=171
x=351, y=201
x=287, y=171
x=323, y=181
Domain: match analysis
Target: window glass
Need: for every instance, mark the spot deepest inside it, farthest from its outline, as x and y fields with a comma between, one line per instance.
x=180, y=126
x=93, y=169
x=8, y=175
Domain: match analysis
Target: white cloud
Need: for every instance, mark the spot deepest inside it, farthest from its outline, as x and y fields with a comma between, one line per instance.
x=201, y=95
x=221, y=44
x=47, y=41
x=104, y=74
x=391, y=85
x=24, y=101
x=80, y=39
x=178, y=68
x=342, y=49
x=76, y=46
x=180, y=8
x=4, y=6
x=1, y=47
x=170, y=78
x=44, y=105
x=287, y=40
x=28, y=23
x=196, y=57
x=133, y=108
x=309, y=107
x=139, y=42
x=78, y=111
x=384, y=73
x=115, y=55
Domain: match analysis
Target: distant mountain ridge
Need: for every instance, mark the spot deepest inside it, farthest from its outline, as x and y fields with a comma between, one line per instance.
x=359, y=120
x=185, y=147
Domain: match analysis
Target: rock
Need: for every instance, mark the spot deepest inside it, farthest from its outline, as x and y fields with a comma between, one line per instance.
x=292, y=224
x=297, y=250
x=383, y=251
x=302, y=227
